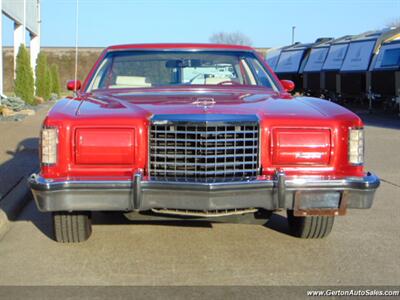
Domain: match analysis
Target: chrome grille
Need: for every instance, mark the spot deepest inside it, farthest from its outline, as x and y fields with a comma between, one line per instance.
x=204, y=151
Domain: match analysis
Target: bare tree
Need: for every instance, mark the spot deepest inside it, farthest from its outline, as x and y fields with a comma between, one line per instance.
x=394, y=23
x=234, y=38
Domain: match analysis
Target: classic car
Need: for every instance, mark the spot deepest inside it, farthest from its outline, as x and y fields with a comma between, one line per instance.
x=197, y=131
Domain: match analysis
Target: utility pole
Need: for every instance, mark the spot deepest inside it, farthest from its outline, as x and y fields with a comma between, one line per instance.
x=293, y=28
x=34, y=44
x=24, y=24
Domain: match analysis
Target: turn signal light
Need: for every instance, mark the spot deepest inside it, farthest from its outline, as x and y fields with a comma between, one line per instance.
x=49, y=141
x=356, y=146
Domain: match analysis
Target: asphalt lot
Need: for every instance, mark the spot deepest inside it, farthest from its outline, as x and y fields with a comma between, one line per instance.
x=363, y=248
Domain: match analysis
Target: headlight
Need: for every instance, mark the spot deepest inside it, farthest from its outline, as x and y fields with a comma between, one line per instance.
x=356, y=146
x=49, y=143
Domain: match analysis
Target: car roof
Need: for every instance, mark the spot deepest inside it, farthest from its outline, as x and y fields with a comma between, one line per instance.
x=179, y=46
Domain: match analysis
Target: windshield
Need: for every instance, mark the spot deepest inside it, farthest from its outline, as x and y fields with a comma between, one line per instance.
x=145, y=69
x=391, y=58
x=358, y=56
x=289, y=61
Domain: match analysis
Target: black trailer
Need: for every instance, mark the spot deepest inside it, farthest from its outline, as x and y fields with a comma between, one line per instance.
x=313, y=67
x=292, y=60
x=354, y=70
x=330, y=78
x=385, y=74
x=355, y=78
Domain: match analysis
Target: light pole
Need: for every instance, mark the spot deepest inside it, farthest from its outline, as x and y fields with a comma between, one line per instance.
x=293, y=28
x=24, y=24
x=76, y=43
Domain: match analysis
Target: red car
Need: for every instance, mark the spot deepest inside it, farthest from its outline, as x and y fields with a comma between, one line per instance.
x=197, y=131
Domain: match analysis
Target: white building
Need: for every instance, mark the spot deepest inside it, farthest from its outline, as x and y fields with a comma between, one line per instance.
x=26, y=17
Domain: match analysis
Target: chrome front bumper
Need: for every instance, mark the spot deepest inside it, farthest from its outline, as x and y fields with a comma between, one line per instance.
x=140, y=194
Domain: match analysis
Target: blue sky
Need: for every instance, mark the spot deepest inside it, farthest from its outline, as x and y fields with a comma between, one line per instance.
x=267, y=22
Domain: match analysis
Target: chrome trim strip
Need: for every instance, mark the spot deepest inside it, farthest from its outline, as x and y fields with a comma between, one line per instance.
x=368, y=182
x=204, y=214
x=194, y=118
x=181, y=50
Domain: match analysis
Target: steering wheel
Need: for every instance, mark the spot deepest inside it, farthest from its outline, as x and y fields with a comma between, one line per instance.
x=228, y=82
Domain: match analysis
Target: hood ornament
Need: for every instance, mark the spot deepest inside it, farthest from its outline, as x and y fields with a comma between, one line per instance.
x=205, y=103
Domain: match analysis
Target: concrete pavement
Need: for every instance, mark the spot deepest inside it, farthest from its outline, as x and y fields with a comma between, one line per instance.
x=363, y=248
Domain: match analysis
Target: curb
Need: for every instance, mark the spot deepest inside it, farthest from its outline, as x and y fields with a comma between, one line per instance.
x=13, y=204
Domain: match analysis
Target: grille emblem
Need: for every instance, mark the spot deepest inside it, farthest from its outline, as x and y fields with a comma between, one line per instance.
x=205, y=103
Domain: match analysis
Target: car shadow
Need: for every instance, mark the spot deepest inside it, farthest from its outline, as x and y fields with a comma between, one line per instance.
x=381, y=121
x=23, y=161
x=278, y=223
x=43, y=221
x=378, y=118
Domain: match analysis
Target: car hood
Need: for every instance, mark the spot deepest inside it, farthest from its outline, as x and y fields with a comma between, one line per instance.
x=257, y=101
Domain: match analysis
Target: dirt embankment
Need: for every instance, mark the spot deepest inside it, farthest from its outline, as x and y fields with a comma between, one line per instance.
x=63, y=57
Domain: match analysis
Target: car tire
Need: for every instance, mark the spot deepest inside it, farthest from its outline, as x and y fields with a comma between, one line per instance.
x=312, y=227
x=74, y=227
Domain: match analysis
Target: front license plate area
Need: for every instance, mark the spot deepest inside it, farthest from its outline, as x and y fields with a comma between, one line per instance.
x=319, y=203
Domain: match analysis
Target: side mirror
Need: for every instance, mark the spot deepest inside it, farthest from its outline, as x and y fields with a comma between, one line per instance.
x=287, y=85
x=74, y=85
